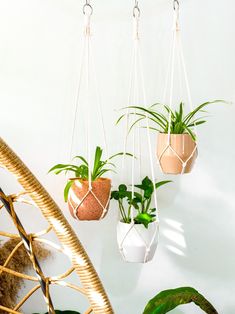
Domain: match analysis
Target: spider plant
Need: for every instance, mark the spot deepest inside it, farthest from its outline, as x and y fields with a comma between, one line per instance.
x=179, y=121
x=82, y=171
x=141, y=202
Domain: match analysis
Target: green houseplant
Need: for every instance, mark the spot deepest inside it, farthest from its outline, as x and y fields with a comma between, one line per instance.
x=138, y=240
x=141, y=202
x=168, y=300
x=177, y=148
x=87, y=191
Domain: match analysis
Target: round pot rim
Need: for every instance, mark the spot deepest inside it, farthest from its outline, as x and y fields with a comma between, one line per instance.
x=85, y=180
x=172, y=134
x=125, y=223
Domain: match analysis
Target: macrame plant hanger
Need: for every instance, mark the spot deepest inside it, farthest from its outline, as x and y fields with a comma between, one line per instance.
x=90, y=110
x=147, y=244
x=177, y=52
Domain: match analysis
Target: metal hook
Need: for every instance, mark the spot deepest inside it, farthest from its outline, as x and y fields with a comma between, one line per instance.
x=136, y=10
x=176, y=5
x=87, y=8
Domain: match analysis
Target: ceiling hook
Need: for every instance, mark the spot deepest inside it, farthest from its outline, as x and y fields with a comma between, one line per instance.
x=87, y=8
x=176, y=5
x=136, y=9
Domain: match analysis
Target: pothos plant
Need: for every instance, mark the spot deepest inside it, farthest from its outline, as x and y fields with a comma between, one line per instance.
x=177, y=121
x=141, y=202
x=82, y=171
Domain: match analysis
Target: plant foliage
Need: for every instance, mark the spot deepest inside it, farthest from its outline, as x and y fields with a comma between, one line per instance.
x=141, y=202
x=82, y=171
x=180, y=122
x=168, y=300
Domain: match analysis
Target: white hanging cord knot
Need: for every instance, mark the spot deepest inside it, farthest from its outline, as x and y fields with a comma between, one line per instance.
x=136, y=15
x=87, y=11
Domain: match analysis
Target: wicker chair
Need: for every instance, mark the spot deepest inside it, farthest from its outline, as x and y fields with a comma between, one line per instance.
x=70, y=245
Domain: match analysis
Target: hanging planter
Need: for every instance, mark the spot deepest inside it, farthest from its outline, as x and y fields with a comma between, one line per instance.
x=137, y=230
x=179, y=156
x=88, y=192
x=89, y=204
x=136, y=242
x=177, y=142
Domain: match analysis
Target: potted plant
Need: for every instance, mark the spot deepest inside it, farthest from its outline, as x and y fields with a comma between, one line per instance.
x=137, y=232
x=176, y=146
x=88, y=192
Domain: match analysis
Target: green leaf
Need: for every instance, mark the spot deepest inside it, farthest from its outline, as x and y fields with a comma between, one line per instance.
x=194, y=123
x=62, y=167
x=161, y=183
x=144, y=219
x=115, y=195
x=138, y=197
x=188, y=117
x=82, y=172
x=66, y=190
x=119, y=154
x=101, y=173
x=122, y=188
x=120, y=118
x=82, y=159
x=97, y=162
x=154, y=114
x=168, y=300
x=191, y=133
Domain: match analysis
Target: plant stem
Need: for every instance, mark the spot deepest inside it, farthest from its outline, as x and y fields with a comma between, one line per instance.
x=122, y=211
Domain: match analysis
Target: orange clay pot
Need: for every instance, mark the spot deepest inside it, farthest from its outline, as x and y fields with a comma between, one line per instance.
x=88, y=207
x=183, y=145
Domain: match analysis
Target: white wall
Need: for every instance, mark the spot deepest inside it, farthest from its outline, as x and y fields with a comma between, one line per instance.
x=40, y=51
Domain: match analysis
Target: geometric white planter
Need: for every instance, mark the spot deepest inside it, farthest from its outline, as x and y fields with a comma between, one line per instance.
x=136, y=243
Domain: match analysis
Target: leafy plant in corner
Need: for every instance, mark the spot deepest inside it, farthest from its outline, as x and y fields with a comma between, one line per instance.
x=168, y=300
x=82, y=171
x=180, y=123
x=141, y=202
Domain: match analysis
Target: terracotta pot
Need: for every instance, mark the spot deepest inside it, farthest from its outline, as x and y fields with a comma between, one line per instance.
x=133, y=241
x=89, y=205
x=181, y=145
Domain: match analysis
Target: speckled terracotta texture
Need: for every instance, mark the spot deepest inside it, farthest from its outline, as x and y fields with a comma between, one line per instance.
x=183, y=145
x=90, y=208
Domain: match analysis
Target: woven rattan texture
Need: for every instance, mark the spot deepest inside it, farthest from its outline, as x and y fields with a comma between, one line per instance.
x=92, y=286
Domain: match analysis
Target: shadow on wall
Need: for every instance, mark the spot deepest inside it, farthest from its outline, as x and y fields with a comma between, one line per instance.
x=199, y=232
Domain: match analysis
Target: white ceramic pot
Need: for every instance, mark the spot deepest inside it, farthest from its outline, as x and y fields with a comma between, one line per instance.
x=136, y=243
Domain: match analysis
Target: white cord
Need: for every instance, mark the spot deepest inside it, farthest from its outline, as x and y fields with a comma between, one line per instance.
x=77, y=99
x=148, y=136
x=172, y=76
